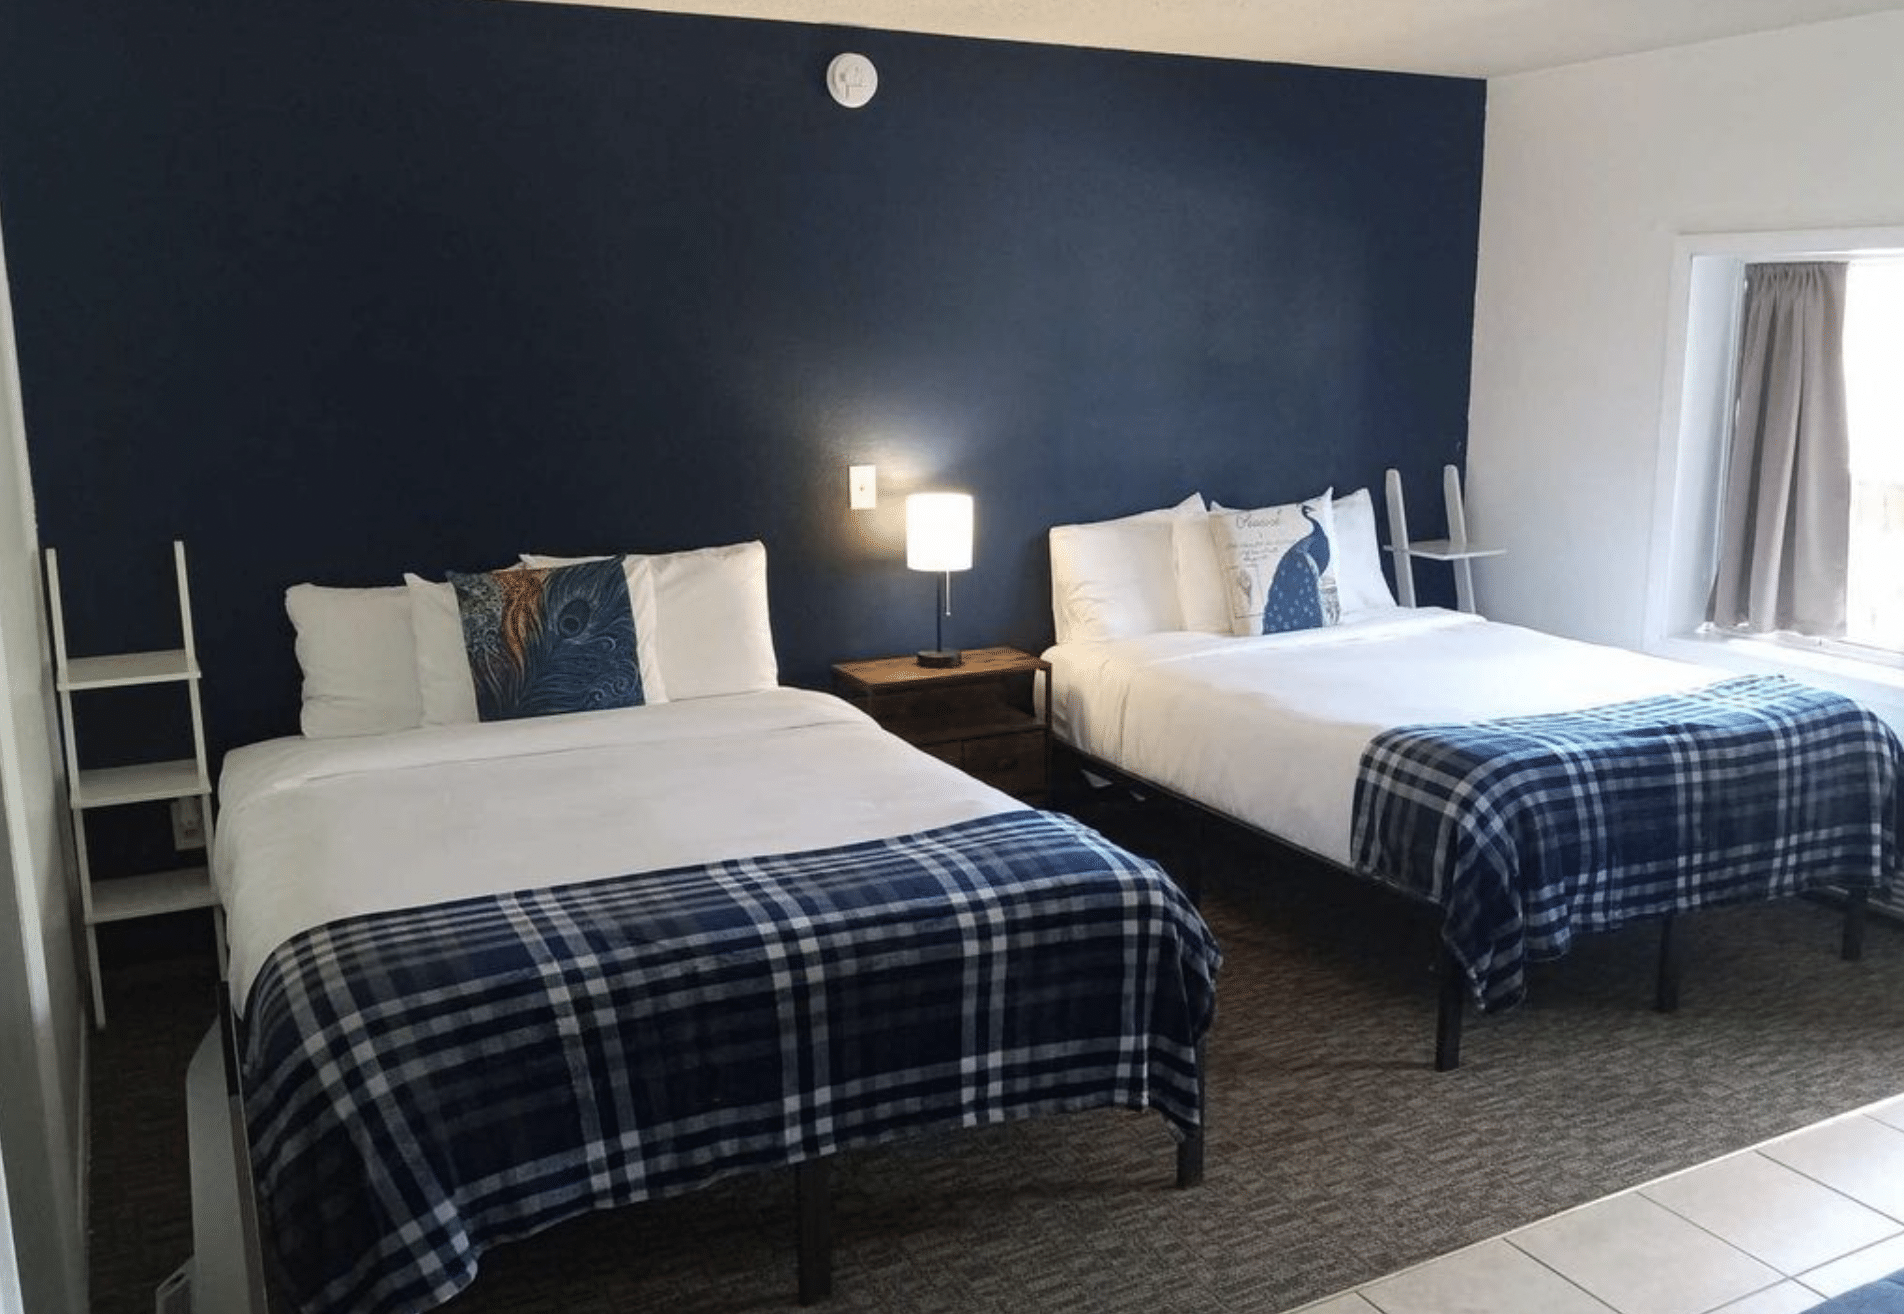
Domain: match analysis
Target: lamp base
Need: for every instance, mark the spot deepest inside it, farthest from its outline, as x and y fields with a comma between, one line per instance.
x=941, y=657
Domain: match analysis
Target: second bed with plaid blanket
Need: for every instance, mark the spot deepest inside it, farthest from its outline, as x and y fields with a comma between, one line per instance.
x=1529, y=829
x=422, y=1084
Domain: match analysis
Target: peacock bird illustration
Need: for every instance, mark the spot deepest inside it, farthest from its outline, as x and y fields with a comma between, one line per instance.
x=547, y=641
x=1294, y=600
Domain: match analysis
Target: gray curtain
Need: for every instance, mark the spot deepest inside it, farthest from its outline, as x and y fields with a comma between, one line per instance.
x=1784, y=527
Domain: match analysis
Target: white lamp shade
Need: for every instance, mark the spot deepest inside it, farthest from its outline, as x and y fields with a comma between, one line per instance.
x=939, y=531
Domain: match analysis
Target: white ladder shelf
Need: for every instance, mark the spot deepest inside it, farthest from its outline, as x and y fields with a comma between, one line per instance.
x=121, y=898
x=1456, y=549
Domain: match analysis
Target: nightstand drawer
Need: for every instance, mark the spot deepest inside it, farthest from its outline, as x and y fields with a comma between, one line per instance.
x=948, y=706
x=943, y=716
x=953, y=752
x=1013, y=763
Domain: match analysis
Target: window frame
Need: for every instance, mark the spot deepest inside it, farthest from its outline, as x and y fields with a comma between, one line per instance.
x=1706, y=302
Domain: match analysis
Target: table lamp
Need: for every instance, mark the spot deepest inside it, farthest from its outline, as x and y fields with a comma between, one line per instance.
x=939, y=538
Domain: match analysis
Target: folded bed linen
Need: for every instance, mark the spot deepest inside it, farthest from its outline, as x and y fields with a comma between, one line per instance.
x=1530, y=830
x=424, y=1084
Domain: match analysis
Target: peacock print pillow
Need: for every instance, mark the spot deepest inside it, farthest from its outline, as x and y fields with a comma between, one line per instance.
x=544, y=642
x=1277, y=566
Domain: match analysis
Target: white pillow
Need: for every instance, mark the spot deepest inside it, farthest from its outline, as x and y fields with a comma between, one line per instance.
x=1270, y=557
x=1358, y=554
x=448, y=689
x=355, y=649
x=442, y=662
x=1115, y=578
x=1200, y=592
x=712, y=630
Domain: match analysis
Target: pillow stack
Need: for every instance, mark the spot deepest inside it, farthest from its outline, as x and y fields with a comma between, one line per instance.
x=1198, y=566
x=548, y=636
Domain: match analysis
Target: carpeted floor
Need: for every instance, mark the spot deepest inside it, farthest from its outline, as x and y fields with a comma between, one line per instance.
x=1336, y=1154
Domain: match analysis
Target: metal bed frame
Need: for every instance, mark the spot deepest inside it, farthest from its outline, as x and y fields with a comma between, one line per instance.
x=1451, y=1004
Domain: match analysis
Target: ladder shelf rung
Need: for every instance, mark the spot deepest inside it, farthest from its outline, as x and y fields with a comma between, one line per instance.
x=123, y=898
x=1443, y=549
x=143, y=782
x=127, y=668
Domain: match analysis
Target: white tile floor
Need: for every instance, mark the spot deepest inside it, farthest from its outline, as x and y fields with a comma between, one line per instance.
x=1771, y=1230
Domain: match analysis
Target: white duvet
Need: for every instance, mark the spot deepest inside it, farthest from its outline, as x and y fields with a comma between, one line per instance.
x=1270, y=729
x=311, y=830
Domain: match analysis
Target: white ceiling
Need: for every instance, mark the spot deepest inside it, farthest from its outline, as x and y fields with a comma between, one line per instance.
x=1463, y=38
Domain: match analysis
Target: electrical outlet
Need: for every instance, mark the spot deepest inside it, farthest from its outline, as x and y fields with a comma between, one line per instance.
x=188, y=823
x=174, y=1295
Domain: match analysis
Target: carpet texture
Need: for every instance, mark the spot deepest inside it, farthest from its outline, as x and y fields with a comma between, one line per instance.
x=1335, y=1154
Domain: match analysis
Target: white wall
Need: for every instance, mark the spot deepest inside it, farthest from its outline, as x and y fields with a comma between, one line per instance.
x=1591, y=174
x=42, y=1027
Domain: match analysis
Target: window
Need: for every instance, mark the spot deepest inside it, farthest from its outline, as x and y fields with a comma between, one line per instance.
x=1874, y=404
x=1703, y=363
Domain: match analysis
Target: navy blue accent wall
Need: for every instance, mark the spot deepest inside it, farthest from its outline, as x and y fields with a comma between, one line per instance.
x=334, y=290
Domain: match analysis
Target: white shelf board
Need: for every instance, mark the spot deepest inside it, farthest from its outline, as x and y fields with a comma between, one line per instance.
x=128, y=668
x=1442, y=549
x=122, y=898
x=138, y=784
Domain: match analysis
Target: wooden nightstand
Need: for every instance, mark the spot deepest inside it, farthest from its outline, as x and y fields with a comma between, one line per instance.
x=975, y=716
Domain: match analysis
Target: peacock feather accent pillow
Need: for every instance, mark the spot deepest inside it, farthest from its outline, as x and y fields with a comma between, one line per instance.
x=1278, y=566
x=544, y=642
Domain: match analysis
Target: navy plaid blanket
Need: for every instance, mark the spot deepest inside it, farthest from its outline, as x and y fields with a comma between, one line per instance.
x=1527, y=829
x=420, y=1085
x=1884, y=1296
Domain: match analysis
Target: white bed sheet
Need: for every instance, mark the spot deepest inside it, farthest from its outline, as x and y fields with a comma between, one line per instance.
x=1270, y=730
x=311, y=830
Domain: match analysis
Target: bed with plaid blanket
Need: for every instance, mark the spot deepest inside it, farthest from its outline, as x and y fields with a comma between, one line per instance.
x=1528, y=830
x=421, y=1084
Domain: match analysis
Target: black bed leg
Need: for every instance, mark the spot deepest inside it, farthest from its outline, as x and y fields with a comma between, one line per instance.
x=813, y=1200
x=1852, y=949
x=1448, y=1021
x=1195, y=833
x=1190, y=1148
x=1190, y=1160
x=1672, y=965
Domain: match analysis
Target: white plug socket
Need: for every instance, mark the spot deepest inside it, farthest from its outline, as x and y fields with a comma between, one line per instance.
x=188, y=823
